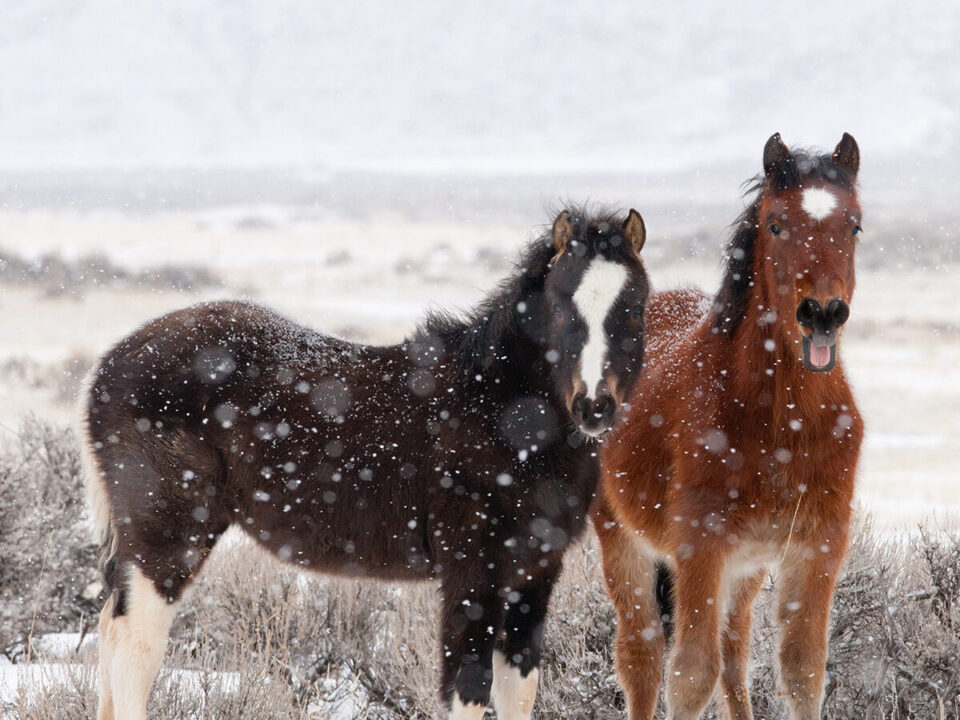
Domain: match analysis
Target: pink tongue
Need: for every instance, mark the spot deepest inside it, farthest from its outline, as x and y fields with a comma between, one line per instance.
x=819, y=355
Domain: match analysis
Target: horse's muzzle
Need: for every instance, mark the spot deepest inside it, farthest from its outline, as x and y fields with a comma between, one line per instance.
x=596, y=416
x=823, y=321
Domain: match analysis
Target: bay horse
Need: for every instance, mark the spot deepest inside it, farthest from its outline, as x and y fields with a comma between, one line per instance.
x=465, y=453
x=739, y=451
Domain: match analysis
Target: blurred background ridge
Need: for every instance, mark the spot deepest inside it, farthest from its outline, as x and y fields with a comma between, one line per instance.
x=188, y=104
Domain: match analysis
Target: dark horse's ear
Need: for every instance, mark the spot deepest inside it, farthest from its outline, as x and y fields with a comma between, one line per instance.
x=774, y=154
x=847, y=155
x=562, y=231
x=635, y=230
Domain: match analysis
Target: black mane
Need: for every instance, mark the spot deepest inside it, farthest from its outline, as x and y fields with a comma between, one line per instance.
x=476, y=336
x=802, y=166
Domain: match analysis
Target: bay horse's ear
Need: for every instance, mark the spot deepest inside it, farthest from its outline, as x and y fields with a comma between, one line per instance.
x=635, y=230
x=562, y=231
x=847, y=155
x=774, y=153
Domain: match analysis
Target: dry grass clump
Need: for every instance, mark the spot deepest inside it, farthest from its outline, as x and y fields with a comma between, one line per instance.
x=60, y=379
x=248, y=691
x=56, y=276
x=577, y=678
x=895, y=632
x=48, y=576
x=316, y=633
x=256, y=639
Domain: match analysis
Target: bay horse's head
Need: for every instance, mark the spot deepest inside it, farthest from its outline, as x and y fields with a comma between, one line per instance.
x=808, y=219
x=597, y=289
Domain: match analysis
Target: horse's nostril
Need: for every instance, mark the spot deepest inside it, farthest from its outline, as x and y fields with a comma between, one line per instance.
x=578, y=407
x=603, y=407
x=838, y=311
x=807, y=312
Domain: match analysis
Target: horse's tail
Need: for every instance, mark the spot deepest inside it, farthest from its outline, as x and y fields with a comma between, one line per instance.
x=665, y=599
x=95, y=482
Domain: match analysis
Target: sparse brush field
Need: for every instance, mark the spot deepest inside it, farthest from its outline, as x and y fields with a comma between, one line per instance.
x=258, y=640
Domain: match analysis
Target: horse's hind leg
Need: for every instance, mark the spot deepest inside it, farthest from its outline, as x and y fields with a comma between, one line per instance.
x=105, y=694
x=159, y=535
x=133, y=636
x=736, y=646
x=630, y=574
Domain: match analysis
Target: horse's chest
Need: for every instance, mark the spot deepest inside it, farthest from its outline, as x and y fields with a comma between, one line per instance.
x=758, y=550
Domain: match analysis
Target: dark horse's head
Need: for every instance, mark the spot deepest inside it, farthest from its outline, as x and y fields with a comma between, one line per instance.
x=795, y=244
x=596, y=289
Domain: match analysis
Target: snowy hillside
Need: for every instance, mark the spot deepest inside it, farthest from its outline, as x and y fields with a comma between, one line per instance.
x=494, y=87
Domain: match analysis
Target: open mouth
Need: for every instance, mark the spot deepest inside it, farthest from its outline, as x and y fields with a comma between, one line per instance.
x=819, y=358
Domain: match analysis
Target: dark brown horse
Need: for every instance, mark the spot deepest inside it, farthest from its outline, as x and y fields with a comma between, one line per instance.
x=465, y=453
x=740, y=449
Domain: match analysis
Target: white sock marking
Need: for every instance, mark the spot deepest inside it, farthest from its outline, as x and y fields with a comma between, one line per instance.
x=818, y=203
x=470, y=711
x=513, y=694
x=599, y=288
x=133, y=647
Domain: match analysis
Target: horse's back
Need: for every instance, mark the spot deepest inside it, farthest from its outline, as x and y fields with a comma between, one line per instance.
x=180, y=362
x=671, y=318
x=201, y=333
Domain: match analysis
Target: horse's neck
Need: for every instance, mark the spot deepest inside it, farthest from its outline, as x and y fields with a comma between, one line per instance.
x=524, y=362
x=510, y=359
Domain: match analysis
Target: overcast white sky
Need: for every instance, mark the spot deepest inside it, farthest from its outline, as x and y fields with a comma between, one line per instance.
x=479, y=87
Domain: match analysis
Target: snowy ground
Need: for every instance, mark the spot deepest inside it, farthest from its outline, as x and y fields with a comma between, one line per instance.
x=58, y=662
x=370, y=280
x=63, y=659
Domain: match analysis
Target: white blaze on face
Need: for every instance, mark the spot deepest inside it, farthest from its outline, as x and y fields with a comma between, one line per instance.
x=818, y=203
x=599, y=288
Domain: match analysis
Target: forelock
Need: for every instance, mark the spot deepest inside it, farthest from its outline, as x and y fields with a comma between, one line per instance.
x=804, y=168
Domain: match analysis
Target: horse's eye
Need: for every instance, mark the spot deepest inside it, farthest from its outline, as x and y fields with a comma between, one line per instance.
x=557, y=310
x=775, y=229
x=856, y=230
x=637, y=311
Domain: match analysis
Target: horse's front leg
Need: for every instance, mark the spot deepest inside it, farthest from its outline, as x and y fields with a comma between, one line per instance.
x=516, y=661
x=630, y=574
x=696, y=659
x=472, y=617
x=807, y=581
x=736, y=646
